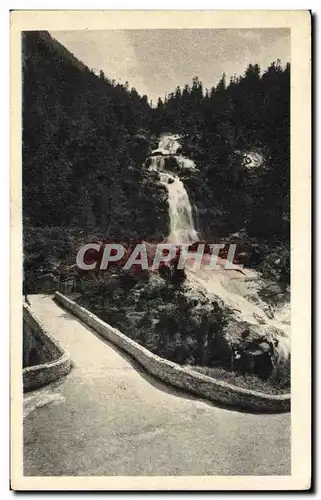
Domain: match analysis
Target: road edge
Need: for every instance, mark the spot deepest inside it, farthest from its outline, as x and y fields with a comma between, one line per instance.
x=43, y=374
x=201, y=385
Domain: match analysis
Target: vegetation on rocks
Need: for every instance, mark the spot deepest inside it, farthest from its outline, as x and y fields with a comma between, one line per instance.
x=180, y=323
x=85, y=179
x=238, y=134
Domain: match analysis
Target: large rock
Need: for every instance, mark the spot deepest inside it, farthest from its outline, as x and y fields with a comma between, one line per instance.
x=253, y=347
x=157, y=152
x=171, y=164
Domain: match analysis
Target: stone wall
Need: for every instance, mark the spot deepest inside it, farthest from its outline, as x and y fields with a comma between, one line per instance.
x=179, y=376
x=53, y=361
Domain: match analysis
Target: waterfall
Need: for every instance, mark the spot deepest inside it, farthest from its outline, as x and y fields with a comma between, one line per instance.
x=168, y=144
x=185, y=163
x=238, y=291
x=157, y=163
x=182, y=228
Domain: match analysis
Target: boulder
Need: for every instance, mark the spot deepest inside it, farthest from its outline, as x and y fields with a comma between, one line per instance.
x=171, y=164
x=242, y=258
x=256, y=358
x=157, y=152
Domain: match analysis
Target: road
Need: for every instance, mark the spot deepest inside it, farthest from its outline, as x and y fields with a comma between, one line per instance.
x=109, y=417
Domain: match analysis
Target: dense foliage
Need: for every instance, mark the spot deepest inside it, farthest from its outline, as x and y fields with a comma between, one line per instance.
x=221, y=127
x=85, y=179
x=159, y=315
x=84, y=141
x=175, y=322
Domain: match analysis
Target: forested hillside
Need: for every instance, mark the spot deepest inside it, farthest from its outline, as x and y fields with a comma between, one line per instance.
x=84, y=141
x=238, y=134
x=250, y=113
x=85, y=179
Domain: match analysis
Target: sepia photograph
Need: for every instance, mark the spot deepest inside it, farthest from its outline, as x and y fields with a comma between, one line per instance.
x=156, y=180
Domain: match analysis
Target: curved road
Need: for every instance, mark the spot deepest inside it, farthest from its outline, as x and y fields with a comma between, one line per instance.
x=108, y=417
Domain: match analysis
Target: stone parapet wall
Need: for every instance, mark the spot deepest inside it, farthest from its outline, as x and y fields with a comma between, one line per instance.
x=57, y=362
x=180, y=376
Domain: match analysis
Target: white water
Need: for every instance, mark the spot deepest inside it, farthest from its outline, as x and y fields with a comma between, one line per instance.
x=180, y=211
x=237, y=290
x=182, y=228
x=168, y=144
x=185, y=163
x=157, y=163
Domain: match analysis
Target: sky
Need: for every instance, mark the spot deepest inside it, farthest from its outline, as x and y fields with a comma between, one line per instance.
x=155, y=61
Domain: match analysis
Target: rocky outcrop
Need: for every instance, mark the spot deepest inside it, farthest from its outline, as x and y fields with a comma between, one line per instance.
x=249, y=343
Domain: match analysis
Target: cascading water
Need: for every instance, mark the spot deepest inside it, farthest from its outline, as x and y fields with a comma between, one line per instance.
x=157, y=163
x=168, y=144
x=180, y=211
x=182, y=228
x=238, y=291
x=185, y=163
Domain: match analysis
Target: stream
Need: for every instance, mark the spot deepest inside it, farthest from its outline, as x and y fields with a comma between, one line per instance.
x=239, y=291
